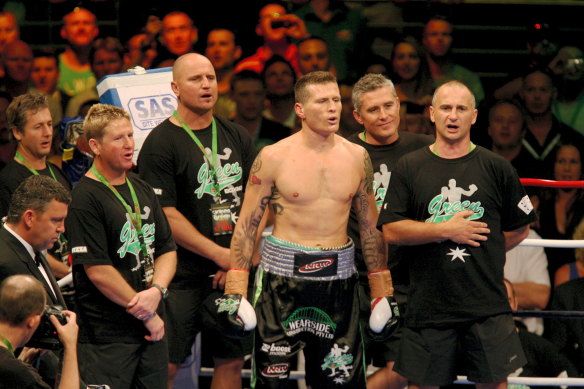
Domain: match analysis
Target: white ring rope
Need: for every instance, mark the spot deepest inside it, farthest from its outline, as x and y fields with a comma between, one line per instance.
x=555, y=243
x=530, y=381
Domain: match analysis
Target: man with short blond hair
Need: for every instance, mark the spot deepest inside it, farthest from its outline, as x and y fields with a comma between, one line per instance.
x=124, y=258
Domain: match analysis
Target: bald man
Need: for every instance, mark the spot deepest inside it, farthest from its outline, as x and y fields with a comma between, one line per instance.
x=199, y=183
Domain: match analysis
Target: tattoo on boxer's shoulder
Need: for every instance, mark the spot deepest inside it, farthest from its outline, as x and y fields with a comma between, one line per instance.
x=368, y=174
x=255, y=167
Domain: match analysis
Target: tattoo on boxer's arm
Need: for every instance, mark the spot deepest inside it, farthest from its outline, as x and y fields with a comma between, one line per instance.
x=255, y=167
x=368, y=174
x=246, y=234
x=374, y=254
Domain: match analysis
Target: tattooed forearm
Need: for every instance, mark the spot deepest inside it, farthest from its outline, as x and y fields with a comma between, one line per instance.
x=244, y=239
x=368, y=174
x=374, y=250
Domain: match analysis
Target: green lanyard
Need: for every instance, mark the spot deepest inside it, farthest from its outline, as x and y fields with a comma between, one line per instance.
x=471, y=148
x=135, y=216
x=7, y=343
x=213, y=163
x=23, y=161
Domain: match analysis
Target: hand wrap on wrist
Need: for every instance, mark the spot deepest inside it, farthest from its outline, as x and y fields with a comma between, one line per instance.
x=236, y=282
x=380, y=283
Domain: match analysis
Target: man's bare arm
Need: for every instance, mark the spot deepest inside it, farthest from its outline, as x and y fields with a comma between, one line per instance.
x=373, y=246
x=513, y=238
x=188, y=236
x=457, y=229
x=111, y=283
x=531, y=295
x=258, y=193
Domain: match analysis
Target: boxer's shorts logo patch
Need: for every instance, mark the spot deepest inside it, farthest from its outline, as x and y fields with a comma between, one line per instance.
x=316, y=264
x=276, y=370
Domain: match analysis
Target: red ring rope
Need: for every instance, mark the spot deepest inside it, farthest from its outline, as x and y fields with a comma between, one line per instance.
x=551, y=183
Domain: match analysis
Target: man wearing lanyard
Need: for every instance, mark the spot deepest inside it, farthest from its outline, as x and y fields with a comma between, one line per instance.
x=123, y=260
x=198, y=165
x=30, y=120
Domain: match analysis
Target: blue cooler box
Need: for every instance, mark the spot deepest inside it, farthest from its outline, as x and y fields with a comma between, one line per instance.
x=145, y=94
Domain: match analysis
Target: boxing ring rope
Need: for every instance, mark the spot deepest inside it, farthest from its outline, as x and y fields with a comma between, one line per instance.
x=554, y=243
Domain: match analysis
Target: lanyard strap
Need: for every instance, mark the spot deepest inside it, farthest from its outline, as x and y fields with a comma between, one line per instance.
x=8, y=344
x=213, y=163
x=135, y=216
x=18, y=157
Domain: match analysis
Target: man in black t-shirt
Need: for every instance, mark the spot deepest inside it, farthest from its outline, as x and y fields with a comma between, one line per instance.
x=377, y=109
x=198, y=165
x=31, y=123
x=124, y=258
x=457, y=208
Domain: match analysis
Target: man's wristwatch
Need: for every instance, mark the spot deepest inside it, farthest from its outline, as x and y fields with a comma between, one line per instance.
x=162, y=289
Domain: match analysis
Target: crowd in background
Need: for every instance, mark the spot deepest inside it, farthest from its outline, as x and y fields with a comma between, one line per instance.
x=534, y=119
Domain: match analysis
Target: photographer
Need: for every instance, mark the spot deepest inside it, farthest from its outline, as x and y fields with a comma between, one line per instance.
x=277, y=29
x=22, y=303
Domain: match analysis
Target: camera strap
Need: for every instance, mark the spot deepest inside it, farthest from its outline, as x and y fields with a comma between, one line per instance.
x=8, y=344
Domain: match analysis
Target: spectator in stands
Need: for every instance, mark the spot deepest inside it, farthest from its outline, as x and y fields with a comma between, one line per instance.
x=7, y=145
x=342, y=29
x=413, y=83
x=280, y=78
x=106, y=57
x=506, y=129
x=9, y=32
x=349, y=125
x=526, y=268
x=249, y=93
x=573, y=270
x=79, y=30
x=277, y=28
x=562, y=209
x=9, y=29
x=543, y=357
x=177, y=37
x=223, y=51
x=44, y=77
x=437, y=40
x=141, y=47
x=568, y=66
x=17, y=57
x=313, y=55
x=544, y=130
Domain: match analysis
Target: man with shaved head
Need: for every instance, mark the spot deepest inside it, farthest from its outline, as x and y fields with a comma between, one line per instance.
x=198, y=164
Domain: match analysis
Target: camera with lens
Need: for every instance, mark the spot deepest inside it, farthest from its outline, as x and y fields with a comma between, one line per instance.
x=46, y=335
x=281, y=23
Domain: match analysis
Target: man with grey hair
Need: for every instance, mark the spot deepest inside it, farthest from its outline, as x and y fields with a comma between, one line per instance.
x=22, y=302
x=456, y=208
x=377, y=109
